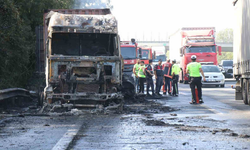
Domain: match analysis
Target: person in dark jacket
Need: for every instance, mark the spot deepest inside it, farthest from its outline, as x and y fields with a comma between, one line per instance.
x=159, y=77
x=167, y=69
x=149, y=74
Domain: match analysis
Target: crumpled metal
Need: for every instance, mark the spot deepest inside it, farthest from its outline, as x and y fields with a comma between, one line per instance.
x=89, y=23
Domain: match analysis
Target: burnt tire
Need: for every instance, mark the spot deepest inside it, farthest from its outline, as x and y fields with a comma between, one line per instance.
x=128, y=86
x=245, y=91
x=41, y=99
x=248, y=92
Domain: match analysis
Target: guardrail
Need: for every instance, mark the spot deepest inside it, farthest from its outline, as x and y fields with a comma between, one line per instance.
x=13, y=92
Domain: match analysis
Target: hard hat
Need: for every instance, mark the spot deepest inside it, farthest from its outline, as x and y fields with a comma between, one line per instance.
x=174, y=60
x=193, y=57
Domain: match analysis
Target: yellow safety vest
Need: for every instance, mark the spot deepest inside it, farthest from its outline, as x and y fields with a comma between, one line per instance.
x=176, y=69
x=194, y=69
x=136, y=66
x=141, y=72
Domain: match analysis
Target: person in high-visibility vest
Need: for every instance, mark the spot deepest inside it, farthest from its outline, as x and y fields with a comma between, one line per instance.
x=142, y=77
x=175, y=77
x=194, y=69
x=135, y=71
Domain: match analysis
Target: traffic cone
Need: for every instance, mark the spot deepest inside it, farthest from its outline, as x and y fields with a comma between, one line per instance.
x=197, y=97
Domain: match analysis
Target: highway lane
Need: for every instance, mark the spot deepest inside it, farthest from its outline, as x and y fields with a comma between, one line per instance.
x=192, y=127
x=167, y=123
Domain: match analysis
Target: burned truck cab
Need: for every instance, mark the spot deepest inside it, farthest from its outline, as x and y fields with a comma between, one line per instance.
x=83, y=60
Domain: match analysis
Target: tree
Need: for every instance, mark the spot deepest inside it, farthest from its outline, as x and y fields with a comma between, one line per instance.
x=17, y=37
x=225, y=35
x=14, y=46
x=225, y=56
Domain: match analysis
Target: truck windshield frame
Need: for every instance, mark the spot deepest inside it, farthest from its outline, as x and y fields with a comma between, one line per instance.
x=128, y=52
x=84, y=44
x=162, y=57
x=145, y=54
x=201, y=49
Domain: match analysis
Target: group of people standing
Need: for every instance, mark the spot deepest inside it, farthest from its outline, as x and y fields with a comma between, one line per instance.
x=166, y=75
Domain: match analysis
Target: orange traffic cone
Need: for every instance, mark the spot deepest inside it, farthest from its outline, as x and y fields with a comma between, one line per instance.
x=196, y=94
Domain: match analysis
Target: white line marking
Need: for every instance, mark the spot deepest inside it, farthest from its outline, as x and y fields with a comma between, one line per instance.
x=67, y=138
x=213, y=110
x=183, y=93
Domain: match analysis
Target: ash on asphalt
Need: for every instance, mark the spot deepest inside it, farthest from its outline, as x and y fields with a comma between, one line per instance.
x=141, y=105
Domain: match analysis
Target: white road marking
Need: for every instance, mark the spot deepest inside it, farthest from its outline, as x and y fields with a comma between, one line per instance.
x=213, y=110
x=183, y=93
x=67, y=138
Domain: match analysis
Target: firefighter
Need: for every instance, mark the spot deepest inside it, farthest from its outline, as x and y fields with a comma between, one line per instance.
x=149, y=74
x=159, y=77
x=135, y=71
x=175, y=77
x=142, y=77
x=167, y=67
x=194, y=69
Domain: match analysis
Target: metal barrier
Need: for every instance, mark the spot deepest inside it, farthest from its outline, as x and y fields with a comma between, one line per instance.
x=13, y=92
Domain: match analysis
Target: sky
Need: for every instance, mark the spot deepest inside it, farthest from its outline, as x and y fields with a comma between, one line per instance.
x=157, y=19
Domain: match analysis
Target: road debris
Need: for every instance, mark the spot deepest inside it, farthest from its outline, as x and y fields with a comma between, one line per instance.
x=244, y=136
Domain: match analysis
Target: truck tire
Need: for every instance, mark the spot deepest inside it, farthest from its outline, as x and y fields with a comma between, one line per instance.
x=41, y=99
x=248, y=92
x=245, y=91
x=223, y=85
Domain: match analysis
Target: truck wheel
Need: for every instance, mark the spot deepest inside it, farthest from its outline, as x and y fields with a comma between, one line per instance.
x=245, y=91
x=248, y=92
x=41, y=99
x=223, y=85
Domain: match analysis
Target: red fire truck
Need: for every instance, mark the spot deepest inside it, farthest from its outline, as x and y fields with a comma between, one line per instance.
x=129, y=54
x=146, y=54
x=199, y=41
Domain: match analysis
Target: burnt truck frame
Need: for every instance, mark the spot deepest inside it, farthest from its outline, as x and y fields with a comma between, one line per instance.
x=83, y=57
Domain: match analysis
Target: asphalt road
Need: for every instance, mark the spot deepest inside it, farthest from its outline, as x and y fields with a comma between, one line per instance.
x=220, y=123
x=167, y=123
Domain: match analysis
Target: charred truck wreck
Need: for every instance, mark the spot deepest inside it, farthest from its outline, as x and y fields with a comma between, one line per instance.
x=83, y=61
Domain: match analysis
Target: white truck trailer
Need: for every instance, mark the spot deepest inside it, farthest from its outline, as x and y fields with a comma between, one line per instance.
x=241, y=50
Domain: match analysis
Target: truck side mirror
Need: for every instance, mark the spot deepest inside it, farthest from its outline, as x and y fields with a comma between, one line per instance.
x=140, y=53
x=154, y=55
x=181, y=52
x=219, y=50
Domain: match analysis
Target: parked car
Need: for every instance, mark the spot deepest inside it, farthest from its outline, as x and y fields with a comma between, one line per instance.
x=213, y=76
x=226, y=67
